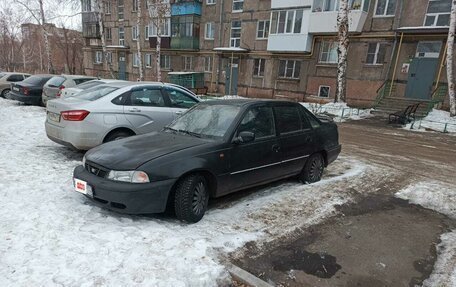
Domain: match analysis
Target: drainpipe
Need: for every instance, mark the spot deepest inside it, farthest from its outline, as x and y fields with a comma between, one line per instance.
x=220, y=40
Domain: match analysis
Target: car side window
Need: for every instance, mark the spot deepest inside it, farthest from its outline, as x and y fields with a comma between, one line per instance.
x=179, y=99
x=288, y=119
x=260, y=121
x=147, y=97
x=311, y=118
x=15, y=78
x=120, y=100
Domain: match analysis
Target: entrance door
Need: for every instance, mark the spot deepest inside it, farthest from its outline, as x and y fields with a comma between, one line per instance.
x=122, y=66
x=231, y=82
x=421, y=78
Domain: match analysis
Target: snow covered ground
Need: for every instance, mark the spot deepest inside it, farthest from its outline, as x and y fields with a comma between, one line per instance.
x=52, y=236
x=441, y=198
x=340, y=111
x=436, y=120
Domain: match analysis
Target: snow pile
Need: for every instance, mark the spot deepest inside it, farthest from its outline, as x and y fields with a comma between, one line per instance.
x=340, y=111
x=51, y=235
x=436, y=120
x=442, y=199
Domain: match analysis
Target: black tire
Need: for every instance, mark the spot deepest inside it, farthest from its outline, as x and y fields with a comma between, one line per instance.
x=117, y=135
x=313, y=169
x=191, y=198
x=4, y=92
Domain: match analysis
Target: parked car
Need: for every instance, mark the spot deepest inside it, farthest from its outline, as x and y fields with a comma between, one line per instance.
x=6, y=78
x=56, y=84
x=70, y=92
x=29, y=91
x=113, y=111
x=216, y=148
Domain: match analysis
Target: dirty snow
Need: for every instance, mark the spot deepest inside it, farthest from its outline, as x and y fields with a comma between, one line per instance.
x=340, y=111
x=441, y=198
x=435, y=121
x=50, y=235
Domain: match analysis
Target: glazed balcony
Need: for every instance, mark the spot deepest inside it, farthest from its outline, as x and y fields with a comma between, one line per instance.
x=185, y=7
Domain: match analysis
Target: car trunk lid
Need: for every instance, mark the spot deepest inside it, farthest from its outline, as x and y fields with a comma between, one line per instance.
x=54, y=109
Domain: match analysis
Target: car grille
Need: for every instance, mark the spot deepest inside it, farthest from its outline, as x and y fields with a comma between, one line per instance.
x=96, y=170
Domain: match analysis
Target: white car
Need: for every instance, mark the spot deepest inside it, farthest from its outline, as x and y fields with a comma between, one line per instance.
x=70, y=92
x=113, y=111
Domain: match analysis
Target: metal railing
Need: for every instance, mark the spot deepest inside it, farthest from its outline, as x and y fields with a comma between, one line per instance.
x=445, y=125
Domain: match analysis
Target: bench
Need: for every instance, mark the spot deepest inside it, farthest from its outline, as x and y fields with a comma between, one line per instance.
x=405, y=116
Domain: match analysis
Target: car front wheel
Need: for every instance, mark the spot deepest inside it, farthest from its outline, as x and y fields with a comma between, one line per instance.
x=191, y=198
x=313, y=169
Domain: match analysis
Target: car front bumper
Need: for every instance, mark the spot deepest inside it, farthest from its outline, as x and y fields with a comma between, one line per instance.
x=30, y=100
x=130, y=198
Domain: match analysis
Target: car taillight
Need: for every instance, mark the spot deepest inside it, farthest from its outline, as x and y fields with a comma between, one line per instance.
x=59, y=93
x=76, y=116
x=25, y=91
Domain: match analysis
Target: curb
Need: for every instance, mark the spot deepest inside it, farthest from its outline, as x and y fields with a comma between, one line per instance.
x=246, y=277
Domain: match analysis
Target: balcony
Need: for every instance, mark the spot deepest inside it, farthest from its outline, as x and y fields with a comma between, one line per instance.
x=290, y=43
x=185, y=43
x=164, y=43
x=326, y=22
x=189, y=7
x=280, y=4
x=89, y=17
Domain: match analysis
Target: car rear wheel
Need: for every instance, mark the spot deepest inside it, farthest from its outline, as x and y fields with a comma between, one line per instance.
x=4, y=92
x=313, y=169
x=117, y=135
x=191, y=198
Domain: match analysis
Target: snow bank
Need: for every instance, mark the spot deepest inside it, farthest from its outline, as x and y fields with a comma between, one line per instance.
x=51, y=235
x=340, y=111
x=436, y=120
x=442, y=199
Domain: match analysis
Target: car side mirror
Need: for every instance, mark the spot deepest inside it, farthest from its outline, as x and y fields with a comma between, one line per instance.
x=244, y=137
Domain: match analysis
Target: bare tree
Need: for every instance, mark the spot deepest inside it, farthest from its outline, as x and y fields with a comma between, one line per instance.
x=99, y=13
x=449, y=59
x=342, y=51
x=159, y=13
x=138, y=39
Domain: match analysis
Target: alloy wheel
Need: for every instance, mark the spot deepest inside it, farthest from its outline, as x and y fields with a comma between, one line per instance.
x=199, y=198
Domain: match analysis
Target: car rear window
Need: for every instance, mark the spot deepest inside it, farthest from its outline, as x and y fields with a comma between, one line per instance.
x=36, y=80
x=82, y=80
x=55, y=81
x=95, y=93
x=88, y=85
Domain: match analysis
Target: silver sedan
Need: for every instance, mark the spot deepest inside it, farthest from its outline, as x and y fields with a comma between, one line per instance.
x=113, y=111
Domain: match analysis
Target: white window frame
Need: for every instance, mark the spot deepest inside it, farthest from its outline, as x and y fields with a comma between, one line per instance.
x=166, y=59
x=151, y=29
x=134, y=32
x=319, y=91
x=208, y=64
x=261, y=63
x=107, y=7
x=109, y=56
x=287, y=66
x=108, y=33
x=209, y=31
x=234, y=41
x=265, y=29
x=135, y=60
x=122, y=39
x=237, y=10
x=98, y=57
x=87, y=6
x=286, y=21
x=121, y=7
x=377, y=50
x=148, y=60
x=211, y=2
x=188, y=63
x=134, y=6
x=333, y=45
x=436, y=15
x=384, y=14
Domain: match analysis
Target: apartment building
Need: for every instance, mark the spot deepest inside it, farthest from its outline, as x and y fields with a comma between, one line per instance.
x=283, y=48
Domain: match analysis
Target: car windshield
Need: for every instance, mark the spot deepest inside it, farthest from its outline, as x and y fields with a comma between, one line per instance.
x=206, y=120
x=95, y=93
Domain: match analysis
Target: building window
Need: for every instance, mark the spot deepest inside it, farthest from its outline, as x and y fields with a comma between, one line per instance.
x=134, y=33
x=323, y=91
x=135, y=6
x=108, y=33
x=328, y=52
x=209, y=31
x=165, y=31
x=98, y=57
x=86, y=5
x=107, y=7
x=258, y=67
x=184, y=26
x=376, y=54
x=438, y=13
x=289, y=69
x=235, y=40
x=165, y=62
x=385, y=8
x=263, y=29
x=207, y=64
x=121, y=36
x=333, y=5
x=120, y=9
x=210, y=2
x=428, y=49
x=148, y=60
x=286, y=22
x=135, y=59
x=238, y=5
x=109, y=57
x=188, y=63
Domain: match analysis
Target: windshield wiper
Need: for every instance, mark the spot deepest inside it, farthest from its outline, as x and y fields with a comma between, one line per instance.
x=170, y=129
x=190, y=133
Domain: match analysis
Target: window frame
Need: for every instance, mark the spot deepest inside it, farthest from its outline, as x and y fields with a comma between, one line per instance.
x=211, y=30
x=274, y=28
x=260, y=69
x=148, y=60
x=266, y=24
x=211, y=2
x=207, y=68
x=235, y=40
x=167, y=60
x=120, y=10
x=436, y=15
x=378, y=46
x=235, y=2
x=320, y=56
x=134, y=32
x=121, y=32
x=293, y=77
x=384, y=14
x=319, y=91
x=98, y=57
x=188, y=60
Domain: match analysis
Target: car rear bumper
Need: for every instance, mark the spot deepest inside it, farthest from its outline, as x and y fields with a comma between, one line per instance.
x=77, y=138
x=30, y=100
x=332, y=154
x=130, y=198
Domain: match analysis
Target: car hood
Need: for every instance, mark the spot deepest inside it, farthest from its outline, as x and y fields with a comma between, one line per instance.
x=132, y=152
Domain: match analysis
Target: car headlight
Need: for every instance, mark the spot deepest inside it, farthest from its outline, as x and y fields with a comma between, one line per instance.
x=133, y=176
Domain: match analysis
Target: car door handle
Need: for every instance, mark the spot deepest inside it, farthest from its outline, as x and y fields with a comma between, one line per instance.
x=134, y=110
x=276, y=148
